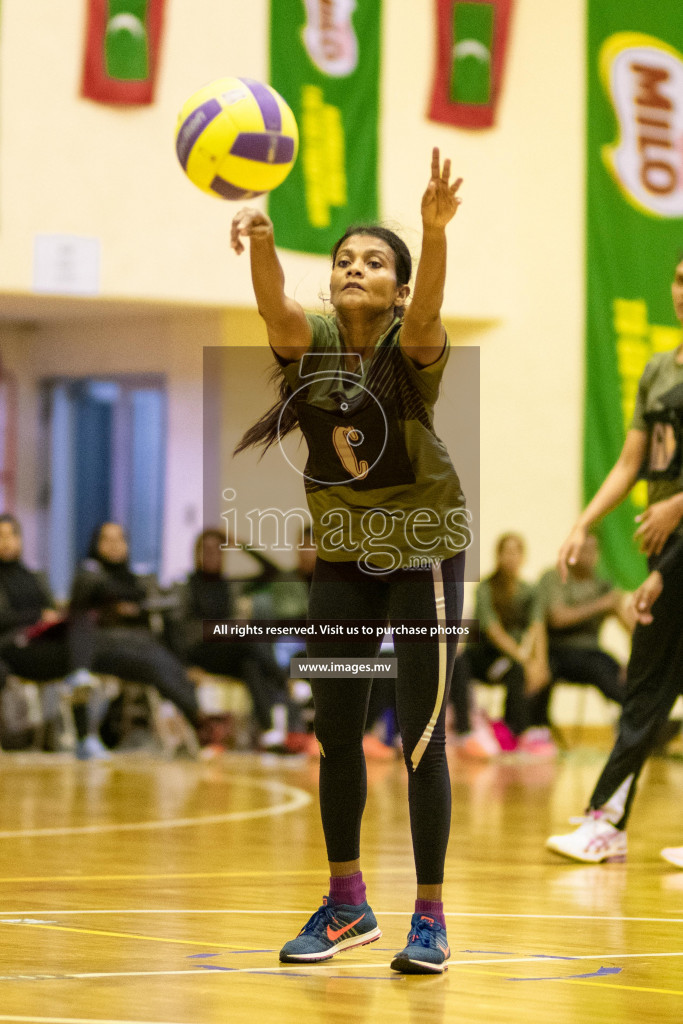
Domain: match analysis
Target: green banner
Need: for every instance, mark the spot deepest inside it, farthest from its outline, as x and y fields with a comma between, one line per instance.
x=634, y=233
x=325, y=61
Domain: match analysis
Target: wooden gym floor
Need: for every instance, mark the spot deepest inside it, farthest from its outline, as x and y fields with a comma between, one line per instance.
x=141, y=890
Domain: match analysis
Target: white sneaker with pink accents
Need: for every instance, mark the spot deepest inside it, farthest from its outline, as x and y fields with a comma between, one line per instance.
x=674, y=855
x=596, y=840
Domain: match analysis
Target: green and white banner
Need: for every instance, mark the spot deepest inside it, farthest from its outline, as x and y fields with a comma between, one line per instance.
x=325, y=62
x=634, y=233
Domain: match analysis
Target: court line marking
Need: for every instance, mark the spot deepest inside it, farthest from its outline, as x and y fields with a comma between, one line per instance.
x=319, y=968
x=80, y=1020
x=583, y=981
x=131, y=935
x=296, y=799
x=48, y=912
x=275, y=872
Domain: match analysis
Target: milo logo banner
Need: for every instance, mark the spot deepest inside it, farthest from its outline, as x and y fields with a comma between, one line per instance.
x=325, y=61
x=634, y=233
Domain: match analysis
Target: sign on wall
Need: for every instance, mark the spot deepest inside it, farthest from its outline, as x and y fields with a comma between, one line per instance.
x=325, y=61
x=634, y=233
x=122, y=50
x=471, y=46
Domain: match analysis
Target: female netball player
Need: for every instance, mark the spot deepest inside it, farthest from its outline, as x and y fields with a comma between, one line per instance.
x=361, y=384
x=654, y=448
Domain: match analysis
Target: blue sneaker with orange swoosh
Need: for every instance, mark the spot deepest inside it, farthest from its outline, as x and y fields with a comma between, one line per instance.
x=427, y=951
x=333, y=927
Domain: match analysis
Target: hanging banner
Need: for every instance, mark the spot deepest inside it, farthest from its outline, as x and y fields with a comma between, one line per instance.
x=634, y=234
x=471, y=42
x=325, y=61
x=122, y=50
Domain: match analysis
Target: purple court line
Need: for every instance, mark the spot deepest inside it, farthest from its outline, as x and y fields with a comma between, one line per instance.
x=320, y=968
x=602, y=972
x=229, y=952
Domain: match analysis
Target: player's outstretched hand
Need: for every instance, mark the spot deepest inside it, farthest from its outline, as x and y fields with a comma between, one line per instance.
x=440, y=201
x=569, y=551
x=657, y=523
x=249, y=223
x=645, y=596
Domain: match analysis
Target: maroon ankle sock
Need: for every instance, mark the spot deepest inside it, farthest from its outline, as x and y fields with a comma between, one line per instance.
x=431, y=908
x=349, y=889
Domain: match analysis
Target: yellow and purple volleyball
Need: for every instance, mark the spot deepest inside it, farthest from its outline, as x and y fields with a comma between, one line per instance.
x=236, y=138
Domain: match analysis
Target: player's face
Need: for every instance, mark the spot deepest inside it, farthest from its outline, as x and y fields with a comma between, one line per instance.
x=112, y=544
x=10, y=543
x=677, y=291
x=511, y=556
x=364, y=276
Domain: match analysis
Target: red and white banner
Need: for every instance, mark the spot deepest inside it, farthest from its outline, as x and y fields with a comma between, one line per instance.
x=122, y=50
x=472, y=38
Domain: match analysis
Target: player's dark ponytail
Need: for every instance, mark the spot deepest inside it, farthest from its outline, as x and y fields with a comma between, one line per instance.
x=280, y=420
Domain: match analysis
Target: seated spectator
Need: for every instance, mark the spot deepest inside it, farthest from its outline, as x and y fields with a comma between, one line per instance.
x=210, y=594
x=511, y=651
x=284, y=593
x=575, y=612
x=34, y=643
x=286, y=597
x=110, y=625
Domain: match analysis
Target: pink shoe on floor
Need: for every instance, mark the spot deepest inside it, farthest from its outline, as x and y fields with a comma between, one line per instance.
x=507, y=740
x=480, y=744
x=538, y=742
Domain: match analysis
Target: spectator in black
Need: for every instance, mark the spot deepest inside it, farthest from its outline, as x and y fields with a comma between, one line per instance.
x=34, y=639
x=575, y=611
x=209, y=594
x=110, y=610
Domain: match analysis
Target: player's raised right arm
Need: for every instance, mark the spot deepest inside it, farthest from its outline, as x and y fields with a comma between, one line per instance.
x=289, y=332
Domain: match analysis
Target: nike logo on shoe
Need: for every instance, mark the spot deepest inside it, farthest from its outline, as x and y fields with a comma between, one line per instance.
x=334, y=935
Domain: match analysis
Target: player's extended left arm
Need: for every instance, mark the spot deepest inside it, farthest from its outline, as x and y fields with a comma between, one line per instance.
x=422, y=336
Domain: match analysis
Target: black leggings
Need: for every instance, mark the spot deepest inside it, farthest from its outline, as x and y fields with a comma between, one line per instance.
x=654, y=679
x=131, y=654
x=254, y=664
x=578, y=665
x=42, y=661
x=343, y=592
x=134, y=655
x=475, y=663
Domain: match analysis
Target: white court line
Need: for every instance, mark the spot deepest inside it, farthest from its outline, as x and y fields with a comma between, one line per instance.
x=379, y=913
x=315, y=969
x=295, y=799
x=80, y=1020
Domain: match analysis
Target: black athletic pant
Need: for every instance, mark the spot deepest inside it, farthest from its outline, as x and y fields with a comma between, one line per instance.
x=475, y=663
x=130, y=654
x=579, y=665
x=654, y=680
x=42, y=661
x=343, y=592
x=254, y=664
x=136, y=656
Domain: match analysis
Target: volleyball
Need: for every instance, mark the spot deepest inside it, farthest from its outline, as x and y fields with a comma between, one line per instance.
x=236, y=138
